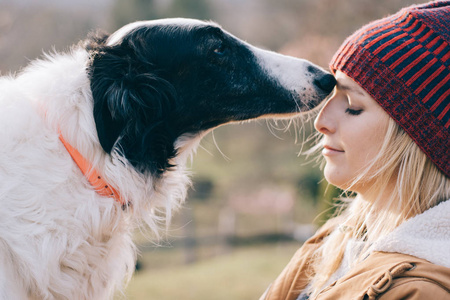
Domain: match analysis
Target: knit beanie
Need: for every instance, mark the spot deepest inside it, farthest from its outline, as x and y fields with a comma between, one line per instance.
x=403, y=62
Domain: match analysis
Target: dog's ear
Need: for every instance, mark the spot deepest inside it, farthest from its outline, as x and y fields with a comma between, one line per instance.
x=95, y=40
x=107, y=92
x=132, y=105
x=108, y=127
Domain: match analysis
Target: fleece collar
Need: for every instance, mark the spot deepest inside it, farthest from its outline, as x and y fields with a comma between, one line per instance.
x=425, y=236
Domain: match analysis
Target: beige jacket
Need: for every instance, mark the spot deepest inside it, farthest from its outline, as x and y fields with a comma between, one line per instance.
x=413, y=263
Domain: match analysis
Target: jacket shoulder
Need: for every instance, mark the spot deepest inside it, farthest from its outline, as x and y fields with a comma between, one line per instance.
x=416, y=289
x=410, y=278
x=391, y=276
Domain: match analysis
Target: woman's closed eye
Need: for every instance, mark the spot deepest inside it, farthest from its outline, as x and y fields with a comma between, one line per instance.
x=353, y=112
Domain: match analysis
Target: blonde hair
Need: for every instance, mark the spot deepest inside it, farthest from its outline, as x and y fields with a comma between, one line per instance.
x=419, y=186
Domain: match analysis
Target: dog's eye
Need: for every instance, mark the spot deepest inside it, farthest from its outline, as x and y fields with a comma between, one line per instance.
x=220, y=50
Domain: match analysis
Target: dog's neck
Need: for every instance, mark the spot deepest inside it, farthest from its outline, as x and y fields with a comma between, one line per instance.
x=92, y=175
x=152, y=198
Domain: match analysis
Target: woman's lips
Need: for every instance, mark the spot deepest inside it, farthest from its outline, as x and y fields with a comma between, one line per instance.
x=330, y=151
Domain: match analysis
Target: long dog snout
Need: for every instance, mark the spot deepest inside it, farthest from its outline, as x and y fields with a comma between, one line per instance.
x=308, y=83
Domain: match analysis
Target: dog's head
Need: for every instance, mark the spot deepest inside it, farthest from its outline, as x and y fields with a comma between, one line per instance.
x=154, y=81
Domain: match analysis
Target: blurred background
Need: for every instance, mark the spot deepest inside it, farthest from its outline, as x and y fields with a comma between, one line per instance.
x=254, y=199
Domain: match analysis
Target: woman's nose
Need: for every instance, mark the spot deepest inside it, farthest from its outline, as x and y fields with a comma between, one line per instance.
x=324, y=122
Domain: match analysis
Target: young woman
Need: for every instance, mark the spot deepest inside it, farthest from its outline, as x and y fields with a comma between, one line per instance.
x=385, y=137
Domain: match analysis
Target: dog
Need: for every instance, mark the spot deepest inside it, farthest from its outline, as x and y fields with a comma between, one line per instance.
x=94, y=143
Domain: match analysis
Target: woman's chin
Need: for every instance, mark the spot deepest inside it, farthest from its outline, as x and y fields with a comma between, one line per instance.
x=337, y=176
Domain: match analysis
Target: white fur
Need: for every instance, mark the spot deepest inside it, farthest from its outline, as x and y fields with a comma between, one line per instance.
x=52, y=247
x=289, y=71
x=117, y=36
x=426, y=236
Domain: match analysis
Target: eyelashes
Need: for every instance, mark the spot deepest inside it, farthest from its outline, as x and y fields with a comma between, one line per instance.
x=353, y=112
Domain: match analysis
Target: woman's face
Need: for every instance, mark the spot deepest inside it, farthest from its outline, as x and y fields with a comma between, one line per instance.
x=354, y=126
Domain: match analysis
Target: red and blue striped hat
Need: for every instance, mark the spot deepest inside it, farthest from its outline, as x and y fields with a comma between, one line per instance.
x=403, y=62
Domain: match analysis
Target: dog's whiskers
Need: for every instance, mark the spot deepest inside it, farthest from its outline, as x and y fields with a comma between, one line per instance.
x=206, y=150
x=273, y=126
x=218, y=148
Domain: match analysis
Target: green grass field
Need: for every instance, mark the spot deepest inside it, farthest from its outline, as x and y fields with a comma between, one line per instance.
x=242, y=274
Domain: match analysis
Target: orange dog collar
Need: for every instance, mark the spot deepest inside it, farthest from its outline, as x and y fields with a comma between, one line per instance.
x=91, y=174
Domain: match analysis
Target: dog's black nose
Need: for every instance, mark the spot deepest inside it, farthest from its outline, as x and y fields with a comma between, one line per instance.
x=326, y=83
